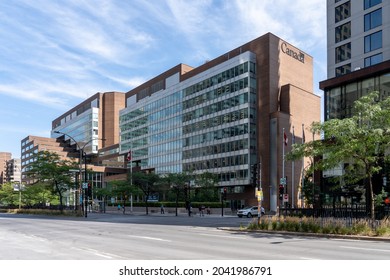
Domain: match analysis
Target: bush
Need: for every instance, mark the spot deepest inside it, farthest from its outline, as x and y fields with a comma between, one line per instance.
x=322, y=225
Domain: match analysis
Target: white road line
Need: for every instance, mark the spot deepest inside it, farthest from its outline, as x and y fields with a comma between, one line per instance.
x=224, y=236
x=150, y=238
x=365, y=249
x=97, y=253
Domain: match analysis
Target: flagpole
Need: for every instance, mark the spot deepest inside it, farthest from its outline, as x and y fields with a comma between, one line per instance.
x=292, y=173
x=303, y=169
x=283, y=144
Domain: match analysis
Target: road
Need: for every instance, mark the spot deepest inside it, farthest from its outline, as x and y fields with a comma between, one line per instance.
x=157, y=237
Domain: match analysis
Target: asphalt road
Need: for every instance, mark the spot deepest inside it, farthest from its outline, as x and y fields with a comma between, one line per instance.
x=163, y=237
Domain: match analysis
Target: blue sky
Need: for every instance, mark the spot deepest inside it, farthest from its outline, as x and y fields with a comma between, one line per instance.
x=56, y=53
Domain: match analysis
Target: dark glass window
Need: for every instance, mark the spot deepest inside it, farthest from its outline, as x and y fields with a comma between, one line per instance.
x=372, y=60
x=373, y=42
x=342, y=70
x=343, y=11
x=371, y=3
x=343, y=32
x=373, y=19
x=343, y=53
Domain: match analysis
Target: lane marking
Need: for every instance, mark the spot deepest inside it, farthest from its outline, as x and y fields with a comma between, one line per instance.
x=150, y=238
x=98, y=253
x=365, y=249
x=223, y=236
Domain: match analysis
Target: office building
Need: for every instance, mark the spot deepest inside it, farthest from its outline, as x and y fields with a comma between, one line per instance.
x=225, y=116
x=4, y=158
x=358, y=35
x=358, y=48
x=91, y=121
x=14, y=170
x=365, y=66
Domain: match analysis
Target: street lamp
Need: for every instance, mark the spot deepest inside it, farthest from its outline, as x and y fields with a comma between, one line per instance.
x=81, y=153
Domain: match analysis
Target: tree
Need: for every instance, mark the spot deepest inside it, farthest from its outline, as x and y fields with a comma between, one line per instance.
x=177, y=182
x=37, y=194
x=124, y=190
x=7, y=195
x=207, y=183
x=148, y=184
x=360, y=141
x=50, y=169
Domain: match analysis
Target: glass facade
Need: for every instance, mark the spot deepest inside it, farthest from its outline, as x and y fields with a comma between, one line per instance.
x=339, y=100
x=83, y=128
x=206, y=124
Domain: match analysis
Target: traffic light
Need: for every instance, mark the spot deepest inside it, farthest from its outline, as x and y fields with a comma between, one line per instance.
x=89, y=192
x=281, y=192
x=224, y=193
x=254, y=175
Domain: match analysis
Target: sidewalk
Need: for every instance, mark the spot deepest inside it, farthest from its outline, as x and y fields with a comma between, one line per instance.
x=155, y=211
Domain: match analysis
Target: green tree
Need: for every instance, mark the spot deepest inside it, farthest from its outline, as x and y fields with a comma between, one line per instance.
x=123, y=189
x=7, y=195
x=361, y=141
x=207, y=183
x=50, y=169
x=37, y=194
x=177, y=183
x=148, y=183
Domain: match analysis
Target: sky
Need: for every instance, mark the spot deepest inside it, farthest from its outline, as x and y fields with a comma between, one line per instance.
x=54, y=54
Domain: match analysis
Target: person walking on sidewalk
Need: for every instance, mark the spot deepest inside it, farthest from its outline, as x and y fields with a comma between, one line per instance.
x=162, y=211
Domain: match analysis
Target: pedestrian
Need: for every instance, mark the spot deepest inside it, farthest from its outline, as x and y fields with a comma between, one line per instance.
x=119, y=207
x=208, y=210
x=202, y=210
x=162, y=209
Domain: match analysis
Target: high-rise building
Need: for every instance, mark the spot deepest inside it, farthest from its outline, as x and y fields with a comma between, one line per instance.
x=358, y=53
x=358, y=35
x=358, y=48
x=14, y=170
x=4, y=158
x=226, y=116
x=93, y=124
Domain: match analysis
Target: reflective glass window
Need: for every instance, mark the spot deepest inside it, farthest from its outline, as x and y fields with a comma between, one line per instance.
x=371, y=3
x=343, y=32
x=373, y=42
x=343, y=11
x=372, y=60
x=343, y=53
x=373, y=19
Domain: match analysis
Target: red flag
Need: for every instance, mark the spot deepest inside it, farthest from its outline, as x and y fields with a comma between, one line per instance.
x=129, y=155
x=285, y=139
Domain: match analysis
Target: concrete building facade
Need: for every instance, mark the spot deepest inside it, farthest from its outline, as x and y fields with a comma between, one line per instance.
x=225, y=116
x=358, y=35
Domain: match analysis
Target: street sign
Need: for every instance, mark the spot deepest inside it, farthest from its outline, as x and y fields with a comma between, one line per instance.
x=283, y=181
x=85, y=185
x=285, y=197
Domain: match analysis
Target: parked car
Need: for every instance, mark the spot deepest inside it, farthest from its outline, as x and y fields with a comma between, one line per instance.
x=249, y=211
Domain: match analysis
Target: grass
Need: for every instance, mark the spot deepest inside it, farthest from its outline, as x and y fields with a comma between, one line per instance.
x=323, y=226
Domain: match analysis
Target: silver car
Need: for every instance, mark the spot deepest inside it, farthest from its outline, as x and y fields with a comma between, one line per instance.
x=249, y=211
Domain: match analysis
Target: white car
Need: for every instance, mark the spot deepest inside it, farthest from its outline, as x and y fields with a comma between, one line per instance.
x=249, y=211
